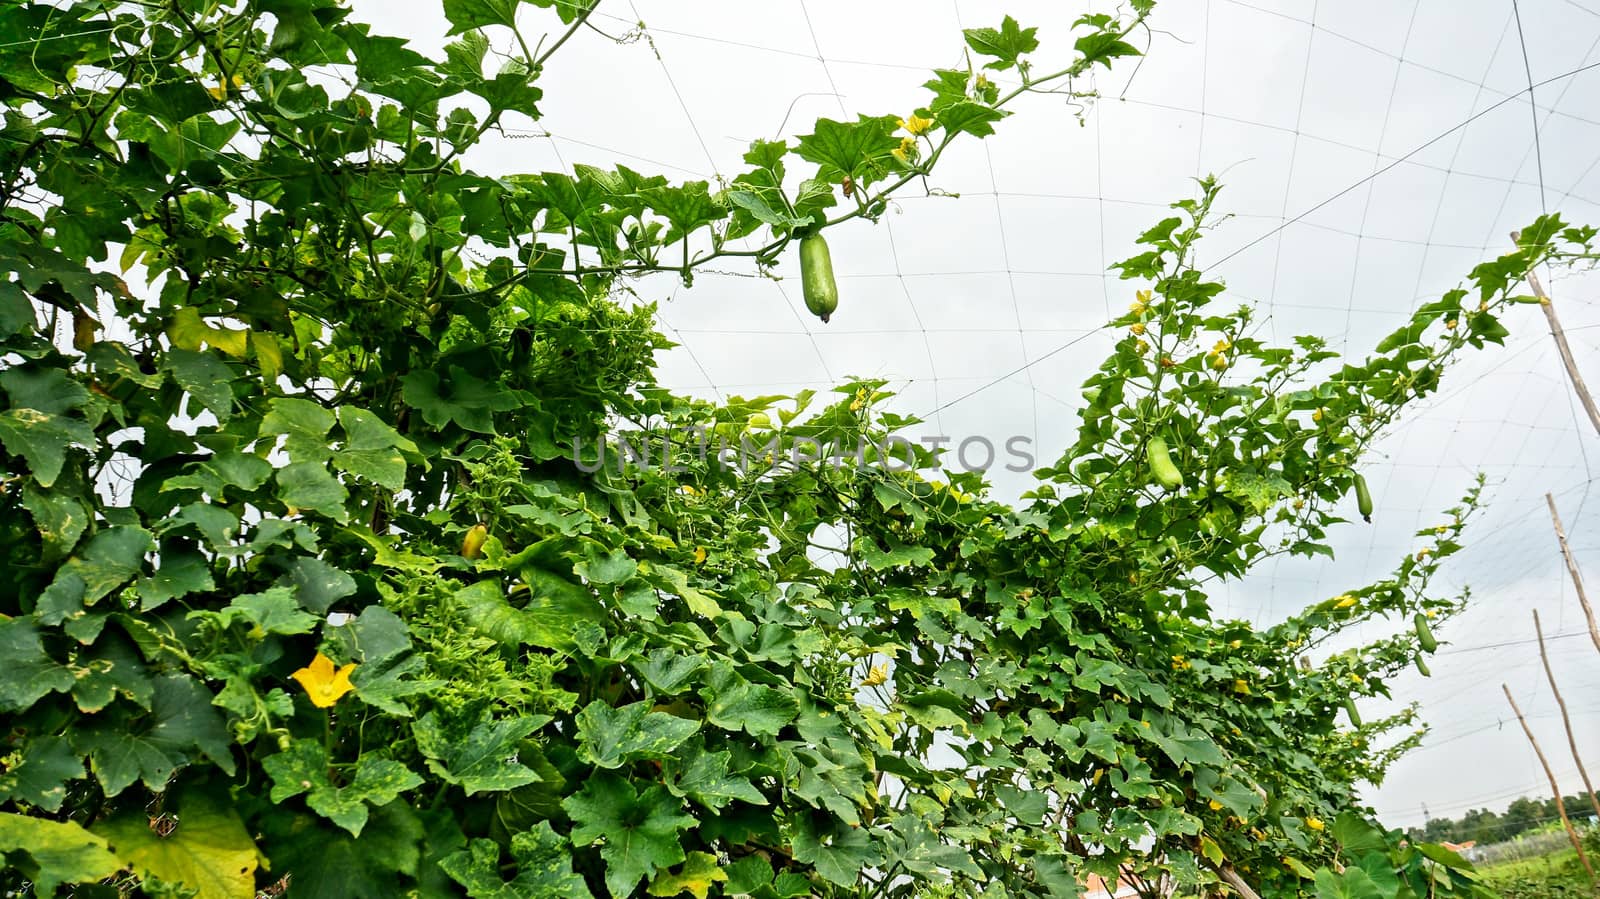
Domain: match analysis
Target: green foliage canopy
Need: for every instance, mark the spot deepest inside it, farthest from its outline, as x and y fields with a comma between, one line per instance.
x=252, y=638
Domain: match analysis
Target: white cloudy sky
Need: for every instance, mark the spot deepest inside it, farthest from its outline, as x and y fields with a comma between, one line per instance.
x=1354, y=111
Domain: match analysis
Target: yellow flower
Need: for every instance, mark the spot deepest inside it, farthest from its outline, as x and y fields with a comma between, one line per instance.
x=323, y=684
x=1315, y=823
x=982, y=82
x=1222, y=346
x=688, y=490
x=1216, y=806
x=907, y=151
x=699, y=555
x=1144, y=296
x=1345, y=602
x=1142, y=347
x=1450, y=325
x=876, y=676
x=916, y=125
x=1138, y=328
x=1219, y=362
x=1137, y=307
x=1241, y=686
x=1317, y=415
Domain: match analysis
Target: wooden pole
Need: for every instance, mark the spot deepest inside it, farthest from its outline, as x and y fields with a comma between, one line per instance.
x=1555, y=787
x=1572, y=569
x=1234, y=880
x=1566, y=720
x=1562, y=347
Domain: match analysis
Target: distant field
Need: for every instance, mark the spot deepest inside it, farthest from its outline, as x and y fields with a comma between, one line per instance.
x=1554, y=875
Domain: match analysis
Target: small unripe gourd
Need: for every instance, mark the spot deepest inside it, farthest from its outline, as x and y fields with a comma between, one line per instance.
x=816, y=277
x=1166, y=473
x=1425, y=637
x=1363, y=499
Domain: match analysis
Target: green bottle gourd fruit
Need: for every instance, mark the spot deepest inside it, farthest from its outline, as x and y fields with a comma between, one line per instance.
x=1167, y=474
x=1425, y=633
x=1363, y=499
x=1422, y=668
x=816, y=277
x=1350, y=709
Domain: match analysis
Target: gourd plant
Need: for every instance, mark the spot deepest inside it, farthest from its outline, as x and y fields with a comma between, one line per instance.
x=303, y=590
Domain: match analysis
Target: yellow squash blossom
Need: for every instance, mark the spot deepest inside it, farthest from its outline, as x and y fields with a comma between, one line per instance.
x=699, y=555
x=1345, y=601
x=877, y=676
x=1314, y=823
x=323, y=684
x=1138, y=328
x=916, y=125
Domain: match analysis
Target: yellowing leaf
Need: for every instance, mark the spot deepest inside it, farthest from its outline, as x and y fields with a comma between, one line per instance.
x=268, y=354
x=696, y=876
x=323, y=684
x=1210, y=849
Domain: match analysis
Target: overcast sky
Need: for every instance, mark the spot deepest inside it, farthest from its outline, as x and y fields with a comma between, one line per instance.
x=1355, y=186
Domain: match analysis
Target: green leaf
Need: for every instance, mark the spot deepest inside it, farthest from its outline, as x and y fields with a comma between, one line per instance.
x=206, y=378
x=372, y=449
x=970, y=117
x=734, y=703
x=668, y=672
x=110, y=670
x=602, y=567
x=208, y=848
x=274, y=611
x=50, y=853
x=481, y=760
x=751, y=202
x=60, y=519
x=328, y=861
x=838, y=851
x=47, y=390
x=469, y=402
x=640, y=830
x=317, y=585
x=39, y=775
x=611, y=737
x=124, y=747
x=1005, y=44
x=1262, y=492
x=180, y=574
x=304, y=425
x=309, y=485
x=704, y=777
x=43, y=439
x=543, y=861
x=465, y=15
x=548, y=620
x=303, y=768
x=1354, y=883
x=30, y=672
x=860, y=149
x=699, y=872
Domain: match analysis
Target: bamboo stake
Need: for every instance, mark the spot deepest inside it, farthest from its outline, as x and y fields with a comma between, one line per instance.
x=1572, y=569
x=1566, y=720
x=1562, y=347
x=1554, y=787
